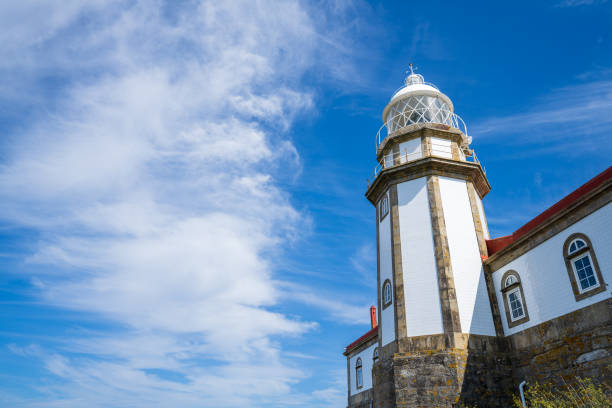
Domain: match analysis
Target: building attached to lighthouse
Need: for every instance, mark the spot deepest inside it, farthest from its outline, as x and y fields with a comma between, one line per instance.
x=440, y=337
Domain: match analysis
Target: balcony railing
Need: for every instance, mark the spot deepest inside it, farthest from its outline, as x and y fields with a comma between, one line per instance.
x=396, y=159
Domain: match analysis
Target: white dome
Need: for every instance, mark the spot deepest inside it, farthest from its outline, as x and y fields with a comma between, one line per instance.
x=417, y=102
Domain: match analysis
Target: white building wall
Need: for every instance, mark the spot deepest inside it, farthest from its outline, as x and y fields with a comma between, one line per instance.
x=367, y=362
x=483, y=219
x=410, y=150
x=441, y=148
x=472, y=297
x=546, y=285
x=387, y=316
x=421, y=292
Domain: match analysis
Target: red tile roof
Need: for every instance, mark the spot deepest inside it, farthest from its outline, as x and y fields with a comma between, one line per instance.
x=369, y=335
x=497, y=244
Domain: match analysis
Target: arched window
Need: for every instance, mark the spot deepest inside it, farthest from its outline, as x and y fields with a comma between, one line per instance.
x=514, y=299
x=387, y=297
x=359, y=373
x=582, y=267
x=375, y=354
x=384, y=207
x=576, y=245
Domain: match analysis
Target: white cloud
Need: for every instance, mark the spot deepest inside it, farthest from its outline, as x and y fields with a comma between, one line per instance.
x=364, y=262
x=334, y=396
x=577, y=114
x=150, y=179
x=576, y=3
x=335, y=309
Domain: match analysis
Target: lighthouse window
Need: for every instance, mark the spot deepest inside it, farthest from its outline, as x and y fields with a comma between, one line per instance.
x=514, y=299
x=386, y=293
x=384, y=207
x=359, y=373
x=582, y=267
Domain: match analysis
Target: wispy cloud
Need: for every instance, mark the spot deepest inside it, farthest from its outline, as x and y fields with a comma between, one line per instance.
x=572, y=119
x=576, y=3
x=150, y=176
x=364, y=262
x=334, y=308
x=425, y=42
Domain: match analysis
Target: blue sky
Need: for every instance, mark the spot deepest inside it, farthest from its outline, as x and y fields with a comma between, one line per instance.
x=182, y=210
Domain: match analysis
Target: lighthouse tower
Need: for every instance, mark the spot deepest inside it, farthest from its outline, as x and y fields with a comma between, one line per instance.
x=436, y=319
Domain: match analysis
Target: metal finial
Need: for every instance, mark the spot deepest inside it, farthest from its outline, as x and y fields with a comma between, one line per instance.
x=412, y=68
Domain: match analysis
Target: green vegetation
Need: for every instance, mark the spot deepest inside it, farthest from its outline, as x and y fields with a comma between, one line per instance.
x=583, y=394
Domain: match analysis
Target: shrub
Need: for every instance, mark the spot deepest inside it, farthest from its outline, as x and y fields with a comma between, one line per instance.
x=581, y=394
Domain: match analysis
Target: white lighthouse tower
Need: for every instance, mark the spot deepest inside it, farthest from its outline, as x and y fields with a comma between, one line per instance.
x=431, y=232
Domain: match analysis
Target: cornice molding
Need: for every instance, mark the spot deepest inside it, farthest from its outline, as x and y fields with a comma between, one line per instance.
x=429, y=166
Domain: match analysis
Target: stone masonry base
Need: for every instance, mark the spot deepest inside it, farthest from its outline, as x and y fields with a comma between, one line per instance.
x=483, y=371
x=474, y=371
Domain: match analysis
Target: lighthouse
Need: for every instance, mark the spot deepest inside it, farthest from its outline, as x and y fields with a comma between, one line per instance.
x=463, y=318
x=431, y=228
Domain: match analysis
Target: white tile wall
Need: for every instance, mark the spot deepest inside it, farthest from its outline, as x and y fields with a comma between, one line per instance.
x=470, y=286
x=367, y=362
x=422, y=297
x=548, y=293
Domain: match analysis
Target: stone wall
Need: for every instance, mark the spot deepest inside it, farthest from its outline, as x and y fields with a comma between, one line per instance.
x=382, y=377
x=578, y=344
x=487, y=380
x=362, y=399
x=444, y=370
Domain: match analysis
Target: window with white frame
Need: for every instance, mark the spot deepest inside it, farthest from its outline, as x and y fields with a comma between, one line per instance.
x=384, y=207
x=375, y=354
x=582, y=267
x=514, y=299
x=359, y=373
x=387, y=297
x=517, y=310
x=576, y=245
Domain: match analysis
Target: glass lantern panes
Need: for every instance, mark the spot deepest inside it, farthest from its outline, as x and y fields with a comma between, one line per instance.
x=418, y=109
